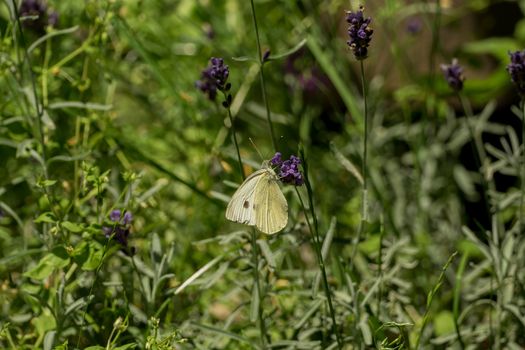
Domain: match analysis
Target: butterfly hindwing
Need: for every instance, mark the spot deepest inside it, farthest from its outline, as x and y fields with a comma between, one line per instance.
x=241, y=206
x=271, y=208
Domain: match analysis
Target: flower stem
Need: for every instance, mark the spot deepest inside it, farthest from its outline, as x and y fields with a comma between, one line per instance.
x=433, y=51
x=255, y=256
x=261, y=74
x=522, y=181
x=234, y=137
x=314, y=231
x=365, y=145
x=364, y=204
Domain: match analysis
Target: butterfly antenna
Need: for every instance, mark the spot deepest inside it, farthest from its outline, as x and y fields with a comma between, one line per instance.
x=256, y=149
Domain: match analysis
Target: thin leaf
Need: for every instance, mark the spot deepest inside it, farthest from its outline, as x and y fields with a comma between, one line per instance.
x=289, y=52
x=49, y=36
x=80, y=105
x=226, y=334
x=197, y=274
x=346, y=163
x=311, y=311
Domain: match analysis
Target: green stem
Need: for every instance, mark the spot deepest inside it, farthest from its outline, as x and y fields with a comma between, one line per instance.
x=433, y=50
x=430, y=298
x=234, y=137
x=380, y=270
x=364, y=204
x=261, y=74
x=365, y=146
x=88, y=299
x=255, y=256
x=522, y=181
x=457, y=297
x=314, y=231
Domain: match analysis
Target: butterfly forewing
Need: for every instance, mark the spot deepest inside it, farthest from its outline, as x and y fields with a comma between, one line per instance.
x=271, y=209
x=241, y=206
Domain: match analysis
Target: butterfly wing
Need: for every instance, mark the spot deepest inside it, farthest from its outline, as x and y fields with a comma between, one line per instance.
x=241, y=206
x=271, y=208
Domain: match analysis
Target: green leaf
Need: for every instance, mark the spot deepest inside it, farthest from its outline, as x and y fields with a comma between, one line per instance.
x=370, y=245
x=88, y=255
x=72, y=227
x=49, y=339
x=61, y=346
x=156, y=249
x=44, y=322
x=76, y=305
x=46, y=183
x=127, y=346
x=58, y=258
x=244, y=59
x=288, y=52
x=47, y=217
x=499, y=47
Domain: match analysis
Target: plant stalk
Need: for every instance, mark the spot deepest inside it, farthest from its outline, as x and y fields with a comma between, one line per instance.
x=261, y=74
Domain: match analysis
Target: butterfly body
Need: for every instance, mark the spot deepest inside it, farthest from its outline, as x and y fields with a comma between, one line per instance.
x=259, y=202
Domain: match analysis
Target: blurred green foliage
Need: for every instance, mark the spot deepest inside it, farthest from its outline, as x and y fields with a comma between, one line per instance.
x=100, y=112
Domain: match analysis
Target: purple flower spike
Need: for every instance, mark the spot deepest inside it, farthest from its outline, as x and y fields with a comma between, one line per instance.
x=115, y=215
x=214, y=78
x=454, y=75
x=128, y=217
x=37, y=15
x=120, y=231
x=516, y=69
x=359, y=32
x=288, y=171
x=277, y=159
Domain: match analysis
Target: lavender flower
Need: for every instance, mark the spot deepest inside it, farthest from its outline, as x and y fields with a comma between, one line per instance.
x=115, y=215
x=128, y=217
x=288, y=170
x=454, y=75
x=214, y=78
x=414, y=26
x=277, y=159
x=37, y=15
x=516, y=69
x=120, y=231
x=360, y=33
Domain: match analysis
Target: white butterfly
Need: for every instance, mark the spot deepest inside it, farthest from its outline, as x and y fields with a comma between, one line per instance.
x=259, y=202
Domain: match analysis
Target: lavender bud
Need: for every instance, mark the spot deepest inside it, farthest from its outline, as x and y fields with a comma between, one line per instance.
x=288, y=170
x=359, y=32
x=516, y=69
x=214, y=78
x=454, y=75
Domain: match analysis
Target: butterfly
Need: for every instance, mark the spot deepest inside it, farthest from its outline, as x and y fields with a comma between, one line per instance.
x=259, y=202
